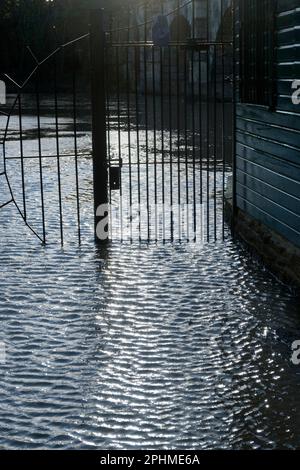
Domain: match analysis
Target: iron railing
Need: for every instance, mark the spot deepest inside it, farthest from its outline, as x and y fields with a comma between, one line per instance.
x=41, y=94
x=155, y=132
x=169, y=118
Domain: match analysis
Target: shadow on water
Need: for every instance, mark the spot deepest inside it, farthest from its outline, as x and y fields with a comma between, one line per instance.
x=176, y=346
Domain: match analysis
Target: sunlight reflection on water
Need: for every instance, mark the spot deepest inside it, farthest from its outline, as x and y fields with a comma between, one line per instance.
x=157, y=347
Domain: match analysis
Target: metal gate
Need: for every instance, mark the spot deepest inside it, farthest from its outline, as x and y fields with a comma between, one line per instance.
x=169, y=127
x=45, y=145
x=125, y=134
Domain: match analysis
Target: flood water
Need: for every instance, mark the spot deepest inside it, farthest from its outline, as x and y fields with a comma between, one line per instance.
x=137, y=346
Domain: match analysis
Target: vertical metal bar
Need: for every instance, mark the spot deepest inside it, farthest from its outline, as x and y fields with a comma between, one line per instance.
x=40, y=156
x=208, y=141
x=119, y=124
x=162, y=138
x=108, y=117
x=58, y=153
x=193, y=125
x=128, y=93
x=137, y=111
x=223, y=50
x=162, y=129
x=76, y=155
x=146, y=125
x=22, y=156
x=119, y=136
x=208, y=122
x=100, y=174
x=200, y=128
x=171, y=144
x=185, y=79
x=215, y=139
x=178, y=91
x=108, y=109
x=154, y=138
x=129, y=141
x=234, y=97
x=194, y=147
x=178, y=143
x=223, y=141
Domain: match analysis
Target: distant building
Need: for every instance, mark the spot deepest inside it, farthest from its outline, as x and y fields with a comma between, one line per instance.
x=200, y=19
x=194, y=23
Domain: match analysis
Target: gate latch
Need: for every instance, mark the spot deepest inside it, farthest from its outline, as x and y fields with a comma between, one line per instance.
x=115, y=177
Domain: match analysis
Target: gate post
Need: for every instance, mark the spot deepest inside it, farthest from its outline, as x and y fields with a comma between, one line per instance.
x=234, y=116
x=98, y=99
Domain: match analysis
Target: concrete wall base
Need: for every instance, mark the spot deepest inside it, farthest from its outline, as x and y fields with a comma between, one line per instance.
x=280, y=256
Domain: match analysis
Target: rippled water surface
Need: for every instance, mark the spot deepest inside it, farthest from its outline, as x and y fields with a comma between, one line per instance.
x=159, y=347
x=145, y=347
